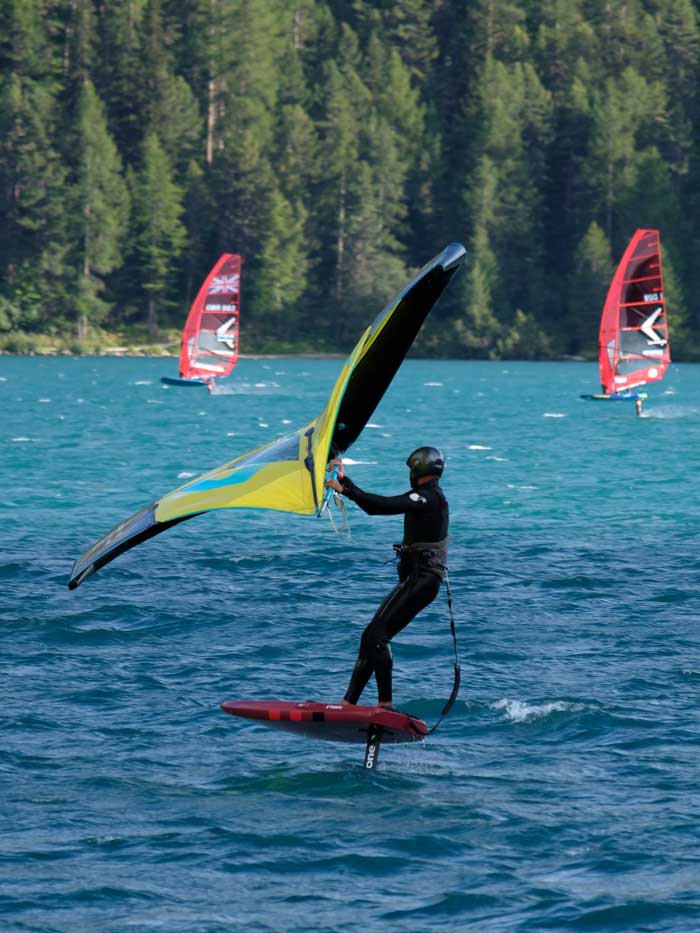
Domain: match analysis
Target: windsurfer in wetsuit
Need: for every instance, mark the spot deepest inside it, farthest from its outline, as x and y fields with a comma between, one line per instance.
x=421, y=568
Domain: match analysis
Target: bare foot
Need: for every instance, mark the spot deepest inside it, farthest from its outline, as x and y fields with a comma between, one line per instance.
x=387, y=705
x=346, y=703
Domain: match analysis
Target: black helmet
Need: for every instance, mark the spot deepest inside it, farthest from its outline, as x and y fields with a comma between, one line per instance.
x=425, y=461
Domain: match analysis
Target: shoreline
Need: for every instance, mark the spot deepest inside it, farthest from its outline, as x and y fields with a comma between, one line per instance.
x=170, y=350
x=143, y=353
x=134, y=353
x=295, y=356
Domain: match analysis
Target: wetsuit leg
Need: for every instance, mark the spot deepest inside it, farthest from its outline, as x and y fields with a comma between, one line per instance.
x=401, y=605
x=364, y=668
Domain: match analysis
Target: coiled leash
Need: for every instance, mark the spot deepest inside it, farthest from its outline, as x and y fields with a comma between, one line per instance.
x=399, y=550
x=458, y=670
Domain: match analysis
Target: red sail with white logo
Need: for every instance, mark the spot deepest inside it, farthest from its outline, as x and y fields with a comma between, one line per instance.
x=633, y=339
x=210, y=338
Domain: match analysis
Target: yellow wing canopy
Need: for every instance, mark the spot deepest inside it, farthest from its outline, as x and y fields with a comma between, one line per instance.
x=288, y=473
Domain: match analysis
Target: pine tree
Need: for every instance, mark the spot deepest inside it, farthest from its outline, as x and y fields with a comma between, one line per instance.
x=102, y=209
x=118, y=72
x=678, y=63
x=158, y=233
x=79, y=41
x=525, y=340
x=478, y=328
x=401, y=114
x=339, y=152
x=563, y=39
x=566, y=53
x=170, y=107
x=296, y=175
x=515, y=135
x=242, y=188
x=498, y=30
x=33, y=235
x=621, y=31
x=622, y=112
x=297, y=153
x=593, y=270
x=282, y=268
x=25, y=47
x=402, y=26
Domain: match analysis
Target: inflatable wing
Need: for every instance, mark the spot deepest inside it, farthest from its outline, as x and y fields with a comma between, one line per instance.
x=288, y=473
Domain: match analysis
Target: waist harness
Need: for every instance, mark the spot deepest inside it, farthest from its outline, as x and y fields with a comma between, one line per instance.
x=429, y=556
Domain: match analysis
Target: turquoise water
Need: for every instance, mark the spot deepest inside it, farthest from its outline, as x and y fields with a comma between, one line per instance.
x=561, y=793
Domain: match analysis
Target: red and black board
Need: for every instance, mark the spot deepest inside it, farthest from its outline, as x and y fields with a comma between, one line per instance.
x=367, y=725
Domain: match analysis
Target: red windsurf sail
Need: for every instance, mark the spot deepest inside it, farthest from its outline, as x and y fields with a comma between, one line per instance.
x=210, y=338
x=633, y=339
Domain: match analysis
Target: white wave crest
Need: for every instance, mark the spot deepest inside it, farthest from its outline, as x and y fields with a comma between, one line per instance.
x=554, y=414
x=518, y=711
x=478, y=447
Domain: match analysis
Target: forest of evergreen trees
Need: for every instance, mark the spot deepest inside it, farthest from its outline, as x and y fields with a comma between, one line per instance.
x=338, y=145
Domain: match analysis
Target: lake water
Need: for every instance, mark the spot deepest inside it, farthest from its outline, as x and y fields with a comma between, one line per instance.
x=561, y=792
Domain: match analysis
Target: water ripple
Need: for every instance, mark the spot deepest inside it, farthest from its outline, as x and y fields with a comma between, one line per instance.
x=561, y=792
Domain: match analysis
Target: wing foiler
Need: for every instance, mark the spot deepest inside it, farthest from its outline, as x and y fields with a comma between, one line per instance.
x=287, y=474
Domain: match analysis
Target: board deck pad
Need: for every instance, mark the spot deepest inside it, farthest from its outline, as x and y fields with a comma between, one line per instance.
x=331, y=721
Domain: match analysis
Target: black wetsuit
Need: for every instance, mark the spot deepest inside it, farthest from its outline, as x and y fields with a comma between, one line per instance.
x=422, y=564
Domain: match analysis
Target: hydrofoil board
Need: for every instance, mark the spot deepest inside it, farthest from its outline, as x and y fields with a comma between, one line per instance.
x=367, y=725
x=616, y=397
x=183, y=383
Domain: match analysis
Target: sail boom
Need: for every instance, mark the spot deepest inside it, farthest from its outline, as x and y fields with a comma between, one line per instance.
x=638, y=304
x=646, y=278
x=632, y=329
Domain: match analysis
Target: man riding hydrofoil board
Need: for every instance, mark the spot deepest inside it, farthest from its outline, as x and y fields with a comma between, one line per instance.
x=421, y=568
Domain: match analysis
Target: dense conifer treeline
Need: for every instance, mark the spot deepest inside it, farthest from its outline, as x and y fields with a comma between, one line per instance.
x=337, y=145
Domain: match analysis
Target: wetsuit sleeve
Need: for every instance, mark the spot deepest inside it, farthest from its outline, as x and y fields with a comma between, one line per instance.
x=373, y=504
